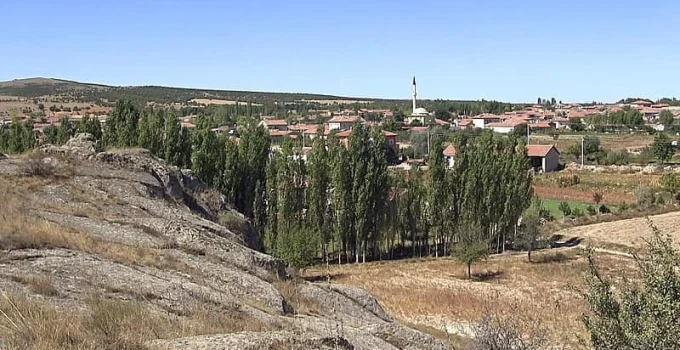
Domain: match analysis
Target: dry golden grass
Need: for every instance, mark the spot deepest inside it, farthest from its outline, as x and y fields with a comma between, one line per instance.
x=627, y=235
x=38, y=284
x=20, y=229
x=435, y=292
x=607, y=141
x=300, y=304
x=107, y=324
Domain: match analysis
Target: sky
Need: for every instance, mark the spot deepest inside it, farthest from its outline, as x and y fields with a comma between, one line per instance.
x=507, y=50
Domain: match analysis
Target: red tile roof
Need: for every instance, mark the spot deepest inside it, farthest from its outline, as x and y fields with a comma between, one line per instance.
x=539, y=150
x=275, y=122
x=511, y=123
x=450, y=151
x=279, y=132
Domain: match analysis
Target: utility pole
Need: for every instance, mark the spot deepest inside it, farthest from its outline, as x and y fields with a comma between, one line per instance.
x=582, y=149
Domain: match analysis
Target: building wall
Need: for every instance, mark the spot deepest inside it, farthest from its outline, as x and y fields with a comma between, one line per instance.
x=503, y=129
x=478, y=123
x=551, y=161
x=450, y=160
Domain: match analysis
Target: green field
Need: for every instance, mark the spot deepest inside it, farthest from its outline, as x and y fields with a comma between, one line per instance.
x=553, y=206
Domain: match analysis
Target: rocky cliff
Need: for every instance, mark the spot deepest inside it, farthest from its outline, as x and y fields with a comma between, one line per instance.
x=107, y=239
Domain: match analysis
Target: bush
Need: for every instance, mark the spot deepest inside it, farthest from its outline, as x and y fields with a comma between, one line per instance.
x=659, y=200
x=670, y=182
x=565, y=209
x=604, y=209
x=577, y=212
x=624, y=207
x=597, y=197
x=645, y=197
x=591, y=210
x=37, y=166
x=567, y=180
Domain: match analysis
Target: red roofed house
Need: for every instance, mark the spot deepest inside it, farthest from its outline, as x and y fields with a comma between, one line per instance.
x=480, y=121
x=390, y=138
x=543, y=158
x=343, y=123
x=505, y=127
x=450, y=155
x=464, y=123
x=641, y=103
x=275, y=124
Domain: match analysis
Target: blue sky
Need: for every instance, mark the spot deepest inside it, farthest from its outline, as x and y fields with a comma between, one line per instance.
x=495, y=49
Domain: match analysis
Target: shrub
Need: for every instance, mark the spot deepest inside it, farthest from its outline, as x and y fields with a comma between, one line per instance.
x=591, y=210
x=565, y=209
x=568, y=180
x=597, y=197
x=36, y=166
x=577, y=212
x=645, y=197
x=604, y=209
x=670, y=182
x=659, y=200
x=623, y=206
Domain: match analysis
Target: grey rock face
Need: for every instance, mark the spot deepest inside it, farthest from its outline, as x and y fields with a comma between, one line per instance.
x=147, y=235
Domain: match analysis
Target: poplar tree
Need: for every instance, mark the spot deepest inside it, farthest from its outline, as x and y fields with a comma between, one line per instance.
x=359, y=154
x=317, y=191
x=231, y=176
x=436, y=191
x=342, y=200
x=272, y=203
x=65, y=131
x=27, y=136
x=173, y=145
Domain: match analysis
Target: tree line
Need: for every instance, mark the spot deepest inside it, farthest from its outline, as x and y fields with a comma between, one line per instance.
x=336, y=201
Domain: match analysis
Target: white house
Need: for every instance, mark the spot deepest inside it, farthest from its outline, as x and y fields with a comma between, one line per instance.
x=450, y=155
x=505, y=127
x=480, y=121
x=544, y=158
x=343, y=123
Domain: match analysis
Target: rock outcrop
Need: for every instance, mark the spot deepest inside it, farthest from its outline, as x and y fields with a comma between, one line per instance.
x=131, y=228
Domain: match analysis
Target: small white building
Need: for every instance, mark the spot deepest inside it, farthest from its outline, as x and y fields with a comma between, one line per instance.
x=343, y=123
x=505, y=127
x=450, y=155
x=480, y=121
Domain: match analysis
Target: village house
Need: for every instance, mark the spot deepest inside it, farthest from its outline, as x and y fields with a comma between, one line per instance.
x=543, y=158
x=480, y=121
x=390, y=138
x=275, y=124
x=343, y=123
x=450, y=155
x=505, y=127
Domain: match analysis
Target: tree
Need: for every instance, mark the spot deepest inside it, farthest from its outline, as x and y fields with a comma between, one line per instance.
x=173, y=146
x=436, y=188
x=666, y=117
x=317, y=190
x=65, y=131
x=643, y=312
x=670, y=182
x=529, y=232
x=662, y=148
x=577, y=125
x=471, y=247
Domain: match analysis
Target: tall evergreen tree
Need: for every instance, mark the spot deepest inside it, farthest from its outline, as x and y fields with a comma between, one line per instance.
x=173, y=144
x=317, y=191
x=436, y=191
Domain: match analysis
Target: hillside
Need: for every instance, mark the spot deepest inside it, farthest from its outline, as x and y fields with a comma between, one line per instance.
x=40, y=87
x=139, y=255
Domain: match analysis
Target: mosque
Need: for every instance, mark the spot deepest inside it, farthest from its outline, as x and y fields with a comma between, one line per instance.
x=418, y=114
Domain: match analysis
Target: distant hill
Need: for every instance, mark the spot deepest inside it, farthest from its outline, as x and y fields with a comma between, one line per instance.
x=84, y=92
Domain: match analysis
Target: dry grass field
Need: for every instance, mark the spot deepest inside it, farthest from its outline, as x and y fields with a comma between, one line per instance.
x=211, y=101
x=615, y=188
x=608, y=141
x=435, y=294
x=626, y=235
